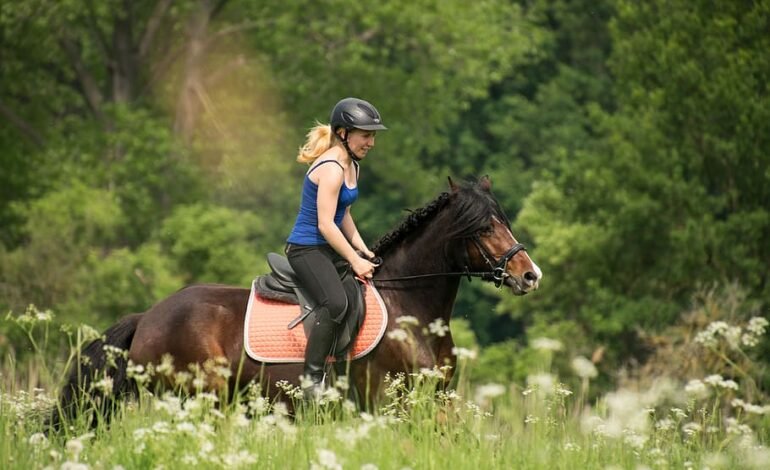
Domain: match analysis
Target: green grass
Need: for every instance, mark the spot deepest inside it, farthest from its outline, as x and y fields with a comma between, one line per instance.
x=542, y=425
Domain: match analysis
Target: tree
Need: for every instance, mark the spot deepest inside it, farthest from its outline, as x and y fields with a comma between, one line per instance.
x=630, y=227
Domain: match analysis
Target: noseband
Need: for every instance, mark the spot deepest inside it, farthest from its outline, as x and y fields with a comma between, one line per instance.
x=498, y=267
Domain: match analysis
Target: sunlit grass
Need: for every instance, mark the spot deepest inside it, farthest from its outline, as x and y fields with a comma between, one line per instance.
x=705, y=423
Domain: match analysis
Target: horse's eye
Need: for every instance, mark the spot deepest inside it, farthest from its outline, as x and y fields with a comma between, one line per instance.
x=488, y=231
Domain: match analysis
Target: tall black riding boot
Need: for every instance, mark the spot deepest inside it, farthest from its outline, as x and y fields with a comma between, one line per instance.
x=319, y=347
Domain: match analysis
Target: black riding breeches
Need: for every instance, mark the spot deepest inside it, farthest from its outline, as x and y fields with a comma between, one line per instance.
x=319, y=269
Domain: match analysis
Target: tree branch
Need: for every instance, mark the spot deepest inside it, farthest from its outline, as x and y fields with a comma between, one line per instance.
x=237, y=28
x=89, y=87
x=97, y=31
x=153, y=23
x=23, y=126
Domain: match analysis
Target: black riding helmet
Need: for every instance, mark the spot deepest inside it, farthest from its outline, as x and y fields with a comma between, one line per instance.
x=355, y=113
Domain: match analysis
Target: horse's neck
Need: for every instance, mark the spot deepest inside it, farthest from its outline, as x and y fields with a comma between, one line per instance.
x=432, y=297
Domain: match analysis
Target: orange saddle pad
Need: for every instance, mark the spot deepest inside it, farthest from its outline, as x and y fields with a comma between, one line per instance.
x=267, y=338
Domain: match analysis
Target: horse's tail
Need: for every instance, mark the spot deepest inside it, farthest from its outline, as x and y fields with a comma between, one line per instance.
x=98, y=379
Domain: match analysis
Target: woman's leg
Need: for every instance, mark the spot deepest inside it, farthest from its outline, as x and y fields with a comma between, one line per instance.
x=315, y=268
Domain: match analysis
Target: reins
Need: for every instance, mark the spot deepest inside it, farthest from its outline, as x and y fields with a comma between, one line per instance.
x=497, y=274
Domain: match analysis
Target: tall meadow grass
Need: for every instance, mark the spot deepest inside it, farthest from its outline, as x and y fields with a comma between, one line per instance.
x=706, y=422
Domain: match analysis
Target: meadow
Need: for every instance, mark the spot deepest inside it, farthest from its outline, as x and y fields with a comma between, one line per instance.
x=707, y=423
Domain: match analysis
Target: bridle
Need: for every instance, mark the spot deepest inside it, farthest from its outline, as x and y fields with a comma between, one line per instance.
x=496, y=274
x=498, y=267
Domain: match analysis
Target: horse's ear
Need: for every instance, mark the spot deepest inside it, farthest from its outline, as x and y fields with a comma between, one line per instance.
x=452, y=184
x=485, y=183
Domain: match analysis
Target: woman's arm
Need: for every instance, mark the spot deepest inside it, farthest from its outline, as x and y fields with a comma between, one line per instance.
x=351, y=233
x=330, y=178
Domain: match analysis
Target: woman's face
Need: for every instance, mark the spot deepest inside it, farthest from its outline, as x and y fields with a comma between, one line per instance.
x=360, y=141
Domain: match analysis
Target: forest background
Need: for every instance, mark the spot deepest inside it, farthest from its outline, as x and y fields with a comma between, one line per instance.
x=148, y=145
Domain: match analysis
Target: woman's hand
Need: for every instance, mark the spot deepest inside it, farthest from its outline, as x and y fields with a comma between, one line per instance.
x=363, y=268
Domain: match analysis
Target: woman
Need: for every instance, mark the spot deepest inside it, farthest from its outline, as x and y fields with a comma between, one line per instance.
x=324, y=236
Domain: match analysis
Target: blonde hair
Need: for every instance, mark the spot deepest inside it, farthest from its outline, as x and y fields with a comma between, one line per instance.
x=319, y=139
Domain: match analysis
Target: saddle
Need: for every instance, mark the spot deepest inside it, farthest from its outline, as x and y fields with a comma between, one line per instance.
x=282, y=285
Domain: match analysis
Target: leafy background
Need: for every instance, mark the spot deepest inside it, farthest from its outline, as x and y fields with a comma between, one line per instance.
x=148, y=145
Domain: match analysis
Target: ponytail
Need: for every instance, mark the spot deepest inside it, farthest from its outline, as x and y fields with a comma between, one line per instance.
x=319, y=139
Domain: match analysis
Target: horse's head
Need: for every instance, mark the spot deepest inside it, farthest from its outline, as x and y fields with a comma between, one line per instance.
x=489, y=244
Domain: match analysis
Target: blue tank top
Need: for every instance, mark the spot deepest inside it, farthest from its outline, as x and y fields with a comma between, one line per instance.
x=305, y=231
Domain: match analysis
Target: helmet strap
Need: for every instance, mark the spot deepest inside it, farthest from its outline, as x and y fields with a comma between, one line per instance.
x=347, y=148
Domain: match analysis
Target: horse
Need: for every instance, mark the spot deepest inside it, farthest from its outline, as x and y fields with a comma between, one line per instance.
x=461, y=233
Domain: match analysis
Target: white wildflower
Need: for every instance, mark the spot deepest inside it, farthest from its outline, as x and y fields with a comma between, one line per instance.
x=182, y=378
x=438, y=327
x=186, y=427
x=757, y=326
x=327, y=459
x=398, y=334
x=714, y=380
x=407, y=320
x=561, y=390
x=758, y=457
x=331, y=395
x=546, y=344
x=696, y=389
x=733, y=426
x=206, y=447
x=104, y=385
x=635, y=440
x=38, y=440
x=750, y=408
x=369, y=466
x=729, y=384
x=710, y=336
x=161, y=427
x=74, y=447
x=678, y=413
x=166, y=366
x=433, y=373
x=464, y=353
x=43, y=316
x=240, y=459
x=487, y=392
x=691, y=428
x=665, y=424
x=137, y=373
x=584, y=368
x=544, y=383
x=571, y=447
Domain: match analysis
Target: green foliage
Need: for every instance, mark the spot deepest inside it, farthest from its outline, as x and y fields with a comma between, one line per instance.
x=214, y=244
x=124, y=281
x=629, y=224
x=60, y=229
x=412, y=59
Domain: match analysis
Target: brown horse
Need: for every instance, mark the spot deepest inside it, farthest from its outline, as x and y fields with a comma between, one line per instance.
x=463, y=232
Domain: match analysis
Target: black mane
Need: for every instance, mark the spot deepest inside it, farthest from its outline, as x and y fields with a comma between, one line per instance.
x=473, y=207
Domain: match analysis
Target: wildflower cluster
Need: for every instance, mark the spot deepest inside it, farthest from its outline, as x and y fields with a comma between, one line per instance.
x=735, y=336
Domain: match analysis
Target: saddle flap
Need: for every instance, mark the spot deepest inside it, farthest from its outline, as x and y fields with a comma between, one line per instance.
x=282, y=269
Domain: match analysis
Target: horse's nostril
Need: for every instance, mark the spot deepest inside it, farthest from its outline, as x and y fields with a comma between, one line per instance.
x=530, y=277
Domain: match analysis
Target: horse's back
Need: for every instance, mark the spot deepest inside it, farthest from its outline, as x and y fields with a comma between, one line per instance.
x=194, y=324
